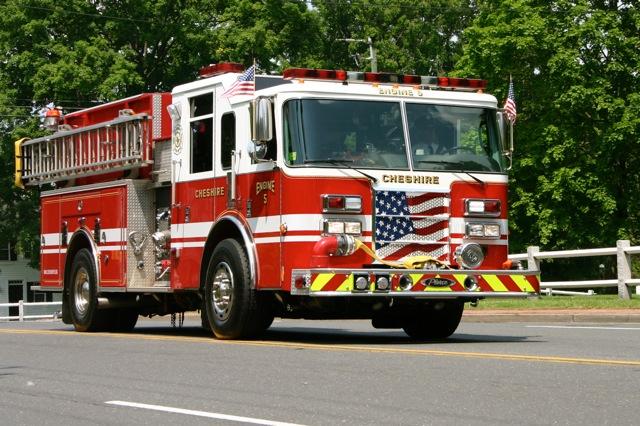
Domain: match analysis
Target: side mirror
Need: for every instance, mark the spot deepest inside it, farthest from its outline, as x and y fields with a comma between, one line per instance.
x=506, y=136
x=261, y=120
x=503, y=127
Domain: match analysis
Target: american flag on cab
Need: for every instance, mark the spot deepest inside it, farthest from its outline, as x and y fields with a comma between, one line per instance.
x=245, y=85
x=510, y=104
x=412, y=224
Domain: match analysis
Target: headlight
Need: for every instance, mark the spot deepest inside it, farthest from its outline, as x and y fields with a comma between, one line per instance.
x=482, y=230
x=337, y=226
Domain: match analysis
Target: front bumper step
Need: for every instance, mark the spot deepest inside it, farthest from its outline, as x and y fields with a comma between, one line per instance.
x=417, y=283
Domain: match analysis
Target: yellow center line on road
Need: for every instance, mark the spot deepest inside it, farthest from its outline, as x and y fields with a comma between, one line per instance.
x=339, y=348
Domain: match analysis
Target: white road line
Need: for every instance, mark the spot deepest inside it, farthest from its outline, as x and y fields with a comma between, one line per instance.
x=200, y=413
x=583, y=327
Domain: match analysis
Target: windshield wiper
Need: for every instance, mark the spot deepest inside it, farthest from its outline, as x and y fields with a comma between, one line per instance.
x=455, y=171
x=345, y=163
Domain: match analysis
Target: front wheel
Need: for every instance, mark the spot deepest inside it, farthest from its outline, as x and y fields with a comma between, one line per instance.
x=434, y=321
x=233, y=309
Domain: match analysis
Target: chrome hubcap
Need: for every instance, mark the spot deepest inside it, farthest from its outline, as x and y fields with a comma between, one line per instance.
x=222, y=291
x=81, y=291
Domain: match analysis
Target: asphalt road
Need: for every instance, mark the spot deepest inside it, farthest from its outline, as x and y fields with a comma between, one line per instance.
x=321, y=373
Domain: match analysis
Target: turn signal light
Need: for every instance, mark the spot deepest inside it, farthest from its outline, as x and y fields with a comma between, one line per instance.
x=341, y=203
x=483, y=208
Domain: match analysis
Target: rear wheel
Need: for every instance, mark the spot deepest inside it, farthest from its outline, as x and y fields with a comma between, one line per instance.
x=233, y=309
x=434, y=321
x=82, y=293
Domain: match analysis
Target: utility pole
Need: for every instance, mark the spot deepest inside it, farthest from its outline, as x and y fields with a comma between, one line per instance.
x=372, y=50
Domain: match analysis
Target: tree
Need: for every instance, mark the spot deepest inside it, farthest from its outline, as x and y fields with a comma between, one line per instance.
x=85, y=52
x=421, y=37
x=574, y=65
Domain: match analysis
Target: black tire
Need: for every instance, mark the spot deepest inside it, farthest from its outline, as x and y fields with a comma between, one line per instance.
x=82, y=294
x=233, y=309
x=434, y=321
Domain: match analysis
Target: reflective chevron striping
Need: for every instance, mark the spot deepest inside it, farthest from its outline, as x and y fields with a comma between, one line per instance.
x=495, y=283
x=325, y=282
x=523, y=283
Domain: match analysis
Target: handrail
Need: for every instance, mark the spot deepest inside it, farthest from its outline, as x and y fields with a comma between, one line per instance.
x=622, y=251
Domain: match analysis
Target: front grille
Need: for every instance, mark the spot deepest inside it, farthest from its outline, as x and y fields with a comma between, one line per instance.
x=411, y=224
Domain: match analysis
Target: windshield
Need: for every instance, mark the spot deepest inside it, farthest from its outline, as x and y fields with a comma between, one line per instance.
x=453, y=138
x=369, y=134
x=362, y=133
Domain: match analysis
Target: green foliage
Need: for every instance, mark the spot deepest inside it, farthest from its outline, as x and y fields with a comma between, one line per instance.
x=598, y=301
x=574, y=66
x=410, y=36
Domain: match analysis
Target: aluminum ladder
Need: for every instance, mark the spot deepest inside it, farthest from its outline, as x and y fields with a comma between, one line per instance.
x=120, y=144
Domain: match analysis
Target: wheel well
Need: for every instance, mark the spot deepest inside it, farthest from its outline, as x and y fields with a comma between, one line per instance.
x=79, y=241
x=221, y=231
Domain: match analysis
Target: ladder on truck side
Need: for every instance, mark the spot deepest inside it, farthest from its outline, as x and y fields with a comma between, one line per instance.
x=120, y=144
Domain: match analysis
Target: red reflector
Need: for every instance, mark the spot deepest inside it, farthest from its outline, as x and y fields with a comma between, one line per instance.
x=492, y=206
x=221, y=68
x=299, y=282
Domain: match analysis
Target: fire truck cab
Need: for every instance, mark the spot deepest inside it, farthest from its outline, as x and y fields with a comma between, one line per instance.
x=316, y=194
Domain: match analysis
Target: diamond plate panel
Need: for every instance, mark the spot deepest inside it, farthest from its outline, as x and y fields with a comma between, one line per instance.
x=140, y=219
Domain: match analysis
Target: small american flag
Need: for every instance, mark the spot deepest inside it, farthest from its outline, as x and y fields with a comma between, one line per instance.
x=510, y=104
x=244, y=85
x=410, y=224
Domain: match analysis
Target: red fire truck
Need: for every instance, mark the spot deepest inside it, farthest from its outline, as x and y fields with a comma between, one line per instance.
x=314, y=194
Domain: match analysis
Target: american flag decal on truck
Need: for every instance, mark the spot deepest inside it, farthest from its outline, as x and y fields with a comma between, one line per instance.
x=411, y=224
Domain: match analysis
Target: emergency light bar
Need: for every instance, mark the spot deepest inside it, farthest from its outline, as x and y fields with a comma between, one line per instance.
x=220, y=68
x=383, y=77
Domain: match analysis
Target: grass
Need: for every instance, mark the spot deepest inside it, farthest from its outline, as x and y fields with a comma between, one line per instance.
x=562, y=302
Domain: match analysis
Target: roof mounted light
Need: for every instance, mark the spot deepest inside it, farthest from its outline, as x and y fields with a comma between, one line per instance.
x=314, y=74
x=462, y=83
x=384, y=77
x=220, y=68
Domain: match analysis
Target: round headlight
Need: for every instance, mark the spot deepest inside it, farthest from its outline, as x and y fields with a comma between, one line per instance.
x=470, y=255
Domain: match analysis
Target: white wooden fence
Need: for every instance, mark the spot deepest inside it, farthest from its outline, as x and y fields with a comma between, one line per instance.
x=622, y=251
x=21, y=305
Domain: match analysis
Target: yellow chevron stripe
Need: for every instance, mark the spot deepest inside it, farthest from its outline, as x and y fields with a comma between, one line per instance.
x=495, y=283
x=460, y=278
x=522, y=283
x=346, y=284
x=320, y=281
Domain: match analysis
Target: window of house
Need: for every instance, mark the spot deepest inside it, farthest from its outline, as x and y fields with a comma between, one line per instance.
x=201, y=126
x=8, y=251
x=228, y=142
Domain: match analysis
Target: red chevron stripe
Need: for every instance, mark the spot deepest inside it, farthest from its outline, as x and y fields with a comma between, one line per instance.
x=509, y=283
x=534, y=281
x=334, y=282
x=483, y=284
